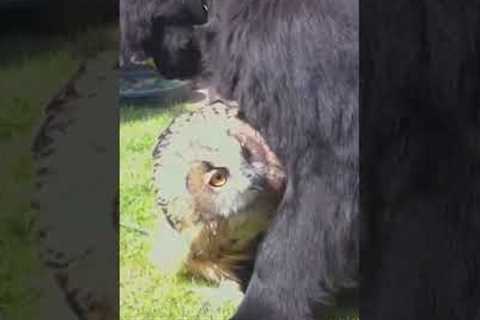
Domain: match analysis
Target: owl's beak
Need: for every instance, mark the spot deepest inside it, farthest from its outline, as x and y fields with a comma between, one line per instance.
x=257, y=188
x=259, y=184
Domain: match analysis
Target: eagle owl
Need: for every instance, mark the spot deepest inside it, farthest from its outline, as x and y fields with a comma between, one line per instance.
x=218, y=185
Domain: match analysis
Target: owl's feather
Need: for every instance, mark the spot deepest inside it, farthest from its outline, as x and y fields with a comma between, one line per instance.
x=221, y=226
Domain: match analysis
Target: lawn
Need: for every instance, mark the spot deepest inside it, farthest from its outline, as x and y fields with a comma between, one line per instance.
x=33, y=69
x=146, y=294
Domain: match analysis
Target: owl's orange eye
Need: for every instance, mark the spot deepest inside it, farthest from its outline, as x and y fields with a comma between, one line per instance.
x=218, y=178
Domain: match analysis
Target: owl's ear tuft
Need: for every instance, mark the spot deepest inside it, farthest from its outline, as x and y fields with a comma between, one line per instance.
x=256, y=149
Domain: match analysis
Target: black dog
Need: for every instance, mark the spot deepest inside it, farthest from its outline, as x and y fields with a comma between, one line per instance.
x=159, y=29
x=293, y=68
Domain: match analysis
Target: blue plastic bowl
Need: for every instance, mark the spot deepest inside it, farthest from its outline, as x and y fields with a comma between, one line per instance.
x=147, y=87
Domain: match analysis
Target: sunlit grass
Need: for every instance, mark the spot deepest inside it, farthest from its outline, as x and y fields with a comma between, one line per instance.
x=146, y=294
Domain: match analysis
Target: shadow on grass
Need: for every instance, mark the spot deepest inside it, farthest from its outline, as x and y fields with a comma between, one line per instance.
x=30, y=28
x=31, y=71
x=20, y=46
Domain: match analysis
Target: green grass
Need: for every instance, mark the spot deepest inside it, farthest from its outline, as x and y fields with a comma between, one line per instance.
x=28, y=78
x=145, y=293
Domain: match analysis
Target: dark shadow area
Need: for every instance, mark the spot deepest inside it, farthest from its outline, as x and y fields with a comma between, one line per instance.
x=32, y=27
x=42, y=44
x=420, y=160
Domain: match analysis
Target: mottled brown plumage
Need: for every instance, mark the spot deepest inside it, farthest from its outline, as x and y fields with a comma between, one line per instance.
x=218, y=185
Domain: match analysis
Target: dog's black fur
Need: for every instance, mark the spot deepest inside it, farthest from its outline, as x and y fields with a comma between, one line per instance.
x=293, y=68
x=420, y=160
x=161, y=29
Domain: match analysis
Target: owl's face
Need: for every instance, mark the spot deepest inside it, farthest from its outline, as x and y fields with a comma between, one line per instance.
x=219, y=185
x=227, y=181
x=214, y=166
